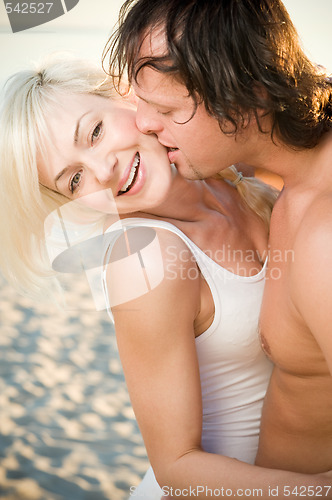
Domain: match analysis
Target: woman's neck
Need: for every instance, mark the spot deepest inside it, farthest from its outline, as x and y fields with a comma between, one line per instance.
x=192, y=200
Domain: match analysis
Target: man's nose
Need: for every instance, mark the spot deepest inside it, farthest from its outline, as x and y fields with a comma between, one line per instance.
x=147, y=120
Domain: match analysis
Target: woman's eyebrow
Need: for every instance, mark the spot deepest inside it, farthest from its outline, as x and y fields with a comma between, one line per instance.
x=76, y=135
x=60, y=174
x=77, y=129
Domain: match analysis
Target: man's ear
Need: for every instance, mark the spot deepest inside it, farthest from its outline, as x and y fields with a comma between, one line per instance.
x=263, y=97
x=131, y=97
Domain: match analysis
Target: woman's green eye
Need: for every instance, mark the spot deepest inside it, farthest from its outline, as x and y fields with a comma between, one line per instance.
x=75, y=181
x=96, y=132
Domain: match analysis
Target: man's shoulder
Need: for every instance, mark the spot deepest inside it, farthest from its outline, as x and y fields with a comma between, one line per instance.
x=316, y=225
x=311, y=273
x=313, y=243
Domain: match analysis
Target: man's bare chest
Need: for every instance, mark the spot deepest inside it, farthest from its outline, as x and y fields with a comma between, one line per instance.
x=285, y=337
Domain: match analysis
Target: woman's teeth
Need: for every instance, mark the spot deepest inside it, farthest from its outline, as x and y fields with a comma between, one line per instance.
x=132, y=175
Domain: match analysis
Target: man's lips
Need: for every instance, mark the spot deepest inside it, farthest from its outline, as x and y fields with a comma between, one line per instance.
x=171, y=153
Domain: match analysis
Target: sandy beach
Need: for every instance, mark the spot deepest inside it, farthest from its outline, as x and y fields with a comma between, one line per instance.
x=67, y=429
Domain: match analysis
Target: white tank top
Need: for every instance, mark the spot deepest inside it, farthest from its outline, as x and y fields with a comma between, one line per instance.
x=234, y=371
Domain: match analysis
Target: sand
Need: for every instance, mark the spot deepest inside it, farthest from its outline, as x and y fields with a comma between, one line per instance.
x=67, y=429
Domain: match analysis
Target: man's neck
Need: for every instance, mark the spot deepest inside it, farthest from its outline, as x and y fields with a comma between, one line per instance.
x=296, y=167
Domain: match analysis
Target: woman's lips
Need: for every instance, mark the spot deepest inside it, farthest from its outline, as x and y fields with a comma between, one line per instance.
x=138, y=179
x=130, y=175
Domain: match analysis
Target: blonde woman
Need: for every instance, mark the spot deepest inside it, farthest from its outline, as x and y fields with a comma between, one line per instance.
x=192, y=359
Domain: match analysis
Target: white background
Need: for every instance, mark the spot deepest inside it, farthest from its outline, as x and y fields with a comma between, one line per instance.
x=85, y=29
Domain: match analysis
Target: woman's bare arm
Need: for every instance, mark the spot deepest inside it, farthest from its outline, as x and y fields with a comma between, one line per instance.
x=155, y=334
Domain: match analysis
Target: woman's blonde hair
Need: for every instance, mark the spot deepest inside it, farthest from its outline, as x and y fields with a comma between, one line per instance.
x=27, y=101
x=257, y=195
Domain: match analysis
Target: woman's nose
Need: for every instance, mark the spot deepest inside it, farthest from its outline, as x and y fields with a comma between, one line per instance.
x=104, y=168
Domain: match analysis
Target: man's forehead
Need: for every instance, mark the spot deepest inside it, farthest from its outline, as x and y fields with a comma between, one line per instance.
x=155, y=88
x=153, y=43
x=150, y=81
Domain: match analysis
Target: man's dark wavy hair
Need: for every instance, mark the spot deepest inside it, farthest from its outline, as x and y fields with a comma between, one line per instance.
x=235, y=56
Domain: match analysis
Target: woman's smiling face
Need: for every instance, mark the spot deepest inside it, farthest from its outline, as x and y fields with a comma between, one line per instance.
x=95, y=152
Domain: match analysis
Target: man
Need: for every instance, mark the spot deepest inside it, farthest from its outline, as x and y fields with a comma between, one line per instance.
x=221, y=82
